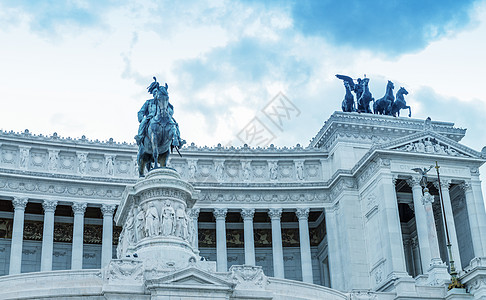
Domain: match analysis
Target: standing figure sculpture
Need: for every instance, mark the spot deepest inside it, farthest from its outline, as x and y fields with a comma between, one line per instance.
x=365, y=97
x=348, y=104
x=158, y=131
x=383, y=105
x=400, y=103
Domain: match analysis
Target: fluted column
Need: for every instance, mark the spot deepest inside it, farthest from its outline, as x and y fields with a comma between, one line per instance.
x=107, y=240
x=78, y=230
x=451, y=226
x=48, y=234
x=247, y=215
x=194, y=215
x=221, y=254
x=277, y=249
x=420, y=222
x=473, y=219
x=17, y=235
x=305, y=251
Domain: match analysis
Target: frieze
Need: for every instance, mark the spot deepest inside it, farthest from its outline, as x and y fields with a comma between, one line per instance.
x=234, y=197
x=59, y=188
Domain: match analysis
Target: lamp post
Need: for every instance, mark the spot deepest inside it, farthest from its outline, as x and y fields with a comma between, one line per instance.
x=455, y=283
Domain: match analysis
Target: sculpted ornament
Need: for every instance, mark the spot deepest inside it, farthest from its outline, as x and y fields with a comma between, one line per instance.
x=248, y=277
x=53, y=158
x=82, y=161
x=168, y=215
x=140, y=223
x=24, y=157
x=152, y=221
x=273, y=169
x=109, y=165
x=122, y=270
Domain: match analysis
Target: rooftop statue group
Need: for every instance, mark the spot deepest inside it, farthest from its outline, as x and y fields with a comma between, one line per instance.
x=387, y=105
x=158, y=131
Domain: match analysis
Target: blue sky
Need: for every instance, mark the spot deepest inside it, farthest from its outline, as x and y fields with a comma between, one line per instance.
x=82, y=67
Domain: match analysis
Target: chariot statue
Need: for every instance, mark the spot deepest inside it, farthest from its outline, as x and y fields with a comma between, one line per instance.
x=158, y=132
x=362, y=91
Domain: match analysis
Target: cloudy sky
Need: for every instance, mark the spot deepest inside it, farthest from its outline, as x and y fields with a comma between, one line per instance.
x=82, y=67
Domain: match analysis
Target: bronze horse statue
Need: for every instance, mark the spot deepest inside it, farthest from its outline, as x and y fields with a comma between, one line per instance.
x=400, y=103
x=383, y=106
x=365, y=97
x=162, y=135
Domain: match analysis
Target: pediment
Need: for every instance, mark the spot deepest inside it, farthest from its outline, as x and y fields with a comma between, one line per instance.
x=430, y=142
x=194, y=276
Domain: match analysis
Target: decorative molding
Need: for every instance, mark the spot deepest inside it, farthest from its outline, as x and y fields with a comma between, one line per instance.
x=108, y=209
x=49, y=205
x=79, y=207
x=247, y=213
x=220, y=213
x=302, y=213
x=275, y=213
x=444, y=183
x=20, y=202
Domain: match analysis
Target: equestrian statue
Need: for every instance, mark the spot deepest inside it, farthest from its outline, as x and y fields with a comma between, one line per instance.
x=365, y=97
x=362, y=91
x=158, y=131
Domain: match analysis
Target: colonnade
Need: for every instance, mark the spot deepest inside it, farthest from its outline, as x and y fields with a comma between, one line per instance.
x=79, y=208
x=277, y=247
x=49, y=206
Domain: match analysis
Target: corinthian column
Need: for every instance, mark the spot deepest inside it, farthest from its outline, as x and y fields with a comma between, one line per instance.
x=449, y=218
x=78, y=230
x=277, y=250
x=438, y=270
x=48, y=235
x=17, y=235
x=305, y=251
x=472, y=215
x=221, y=254
x=420, y=222
x=107, y=240
x=247, y=215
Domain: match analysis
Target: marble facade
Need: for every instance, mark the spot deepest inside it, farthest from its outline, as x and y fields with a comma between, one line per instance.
x=344, y=215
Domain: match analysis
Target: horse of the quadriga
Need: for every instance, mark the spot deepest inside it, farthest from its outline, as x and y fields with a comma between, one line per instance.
x=383, y=106
x=162, y=136
x=365, y=97
x=400, y=103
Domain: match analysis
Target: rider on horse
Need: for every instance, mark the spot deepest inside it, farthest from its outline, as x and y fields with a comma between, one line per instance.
x=147, y=112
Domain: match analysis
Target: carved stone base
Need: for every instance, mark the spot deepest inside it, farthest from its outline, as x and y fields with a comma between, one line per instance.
x=438, y=274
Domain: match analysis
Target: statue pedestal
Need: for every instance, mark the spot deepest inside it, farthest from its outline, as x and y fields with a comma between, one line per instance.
x=156, y=225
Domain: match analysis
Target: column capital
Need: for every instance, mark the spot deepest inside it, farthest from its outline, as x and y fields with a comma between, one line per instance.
x=20, y=202
x=108, y=209
x=414, y=181
x=194, y=213
x=49, y=205
x=220, y=213
x=247, y=213
x=444, y=184
x=79, y=207
x=466, y=186
x=275, y=213
x=427, y=198
x=302, y=213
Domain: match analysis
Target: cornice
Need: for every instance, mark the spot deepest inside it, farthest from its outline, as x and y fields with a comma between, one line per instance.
x=379, y=127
